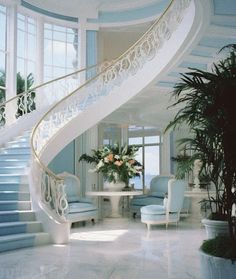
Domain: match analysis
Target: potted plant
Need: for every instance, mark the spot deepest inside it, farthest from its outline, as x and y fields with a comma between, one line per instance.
x=208, y=109
x=116, y=163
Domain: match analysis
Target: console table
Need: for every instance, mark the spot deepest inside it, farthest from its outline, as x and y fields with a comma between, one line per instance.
x=114, y=198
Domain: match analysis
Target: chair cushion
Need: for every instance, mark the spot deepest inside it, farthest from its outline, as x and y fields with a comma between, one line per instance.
x=146, y=201
x=80, y=207
x=158, y=194
x=153, y=209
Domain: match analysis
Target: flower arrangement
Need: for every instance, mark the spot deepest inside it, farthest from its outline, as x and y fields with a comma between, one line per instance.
x=117, y=164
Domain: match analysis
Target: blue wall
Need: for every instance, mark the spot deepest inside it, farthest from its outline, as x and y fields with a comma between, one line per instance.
x=65, y=160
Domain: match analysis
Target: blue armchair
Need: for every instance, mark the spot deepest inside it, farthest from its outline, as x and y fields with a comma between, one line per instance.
x=169, y=211
x=79, y=208
x=158, y=189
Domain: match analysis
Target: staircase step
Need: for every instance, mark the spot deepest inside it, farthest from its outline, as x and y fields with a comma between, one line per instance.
x=8, y=162
x=17, y=144
x=17, y=241
x=12, y=169
x=8, y=228
x=14, y=156
x=20, y=187
x=16, y=216
x=22, y=138
x=13, y=178
x=15, y=205
x=15, y=150
x=14, y=195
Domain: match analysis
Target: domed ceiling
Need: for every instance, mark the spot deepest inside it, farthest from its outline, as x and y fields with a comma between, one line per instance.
x=102, y=12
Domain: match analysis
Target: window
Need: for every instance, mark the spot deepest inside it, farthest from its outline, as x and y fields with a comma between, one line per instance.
x=111, y=134
x=3, y=19
x=26, y=52
x=60, y=50
x=148, y=139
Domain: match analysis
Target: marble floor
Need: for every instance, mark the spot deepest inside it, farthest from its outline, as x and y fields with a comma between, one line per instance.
x=114, y=248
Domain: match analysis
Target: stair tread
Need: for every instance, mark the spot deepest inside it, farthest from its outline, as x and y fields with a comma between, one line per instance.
x=13, y=192
x=15, y=211
x=12, y=167
x=5, y=224
x=12, y=174
x=15, y=183
x=20, y=236
x=14, y=201
x=14, y=160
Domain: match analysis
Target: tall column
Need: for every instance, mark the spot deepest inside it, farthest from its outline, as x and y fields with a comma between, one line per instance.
x=40, y=60
x=165, y=154
x=91, y=54
x=89, y=140
x=11, y=62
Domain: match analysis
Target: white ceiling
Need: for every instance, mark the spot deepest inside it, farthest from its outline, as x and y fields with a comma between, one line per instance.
x=89, y=8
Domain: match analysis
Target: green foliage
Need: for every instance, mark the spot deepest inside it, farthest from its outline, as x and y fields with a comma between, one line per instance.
x=221, y=246
x=25, y=103
x=114, y=162
x=3, y=84
x=184, y=165
x=208, y=109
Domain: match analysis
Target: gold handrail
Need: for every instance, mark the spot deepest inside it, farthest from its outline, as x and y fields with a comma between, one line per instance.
x=36, y=156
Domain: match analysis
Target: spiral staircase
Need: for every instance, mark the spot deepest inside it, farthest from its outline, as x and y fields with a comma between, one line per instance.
x=29, y=190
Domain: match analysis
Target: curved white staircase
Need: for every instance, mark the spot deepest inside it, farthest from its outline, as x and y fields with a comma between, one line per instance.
x=81, y=109
x=149, y=58
x=95, y=99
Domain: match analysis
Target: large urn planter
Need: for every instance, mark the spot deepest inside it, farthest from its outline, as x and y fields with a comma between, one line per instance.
x=215, y=228
x=216, y=267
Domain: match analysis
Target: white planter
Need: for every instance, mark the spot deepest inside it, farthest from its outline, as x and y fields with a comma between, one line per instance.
x=216, y=268
x=215, y=228
x=114, y=187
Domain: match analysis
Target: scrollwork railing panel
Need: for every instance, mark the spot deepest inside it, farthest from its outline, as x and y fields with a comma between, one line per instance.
x=40, y=97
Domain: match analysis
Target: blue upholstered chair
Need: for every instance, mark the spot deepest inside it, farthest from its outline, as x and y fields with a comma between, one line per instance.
x=158, y=189
x=169, y=211
x=79, y=208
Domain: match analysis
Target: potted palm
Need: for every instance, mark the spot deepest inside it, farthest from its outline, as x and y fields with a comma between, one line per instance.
x=208, y=100
x=116, y=163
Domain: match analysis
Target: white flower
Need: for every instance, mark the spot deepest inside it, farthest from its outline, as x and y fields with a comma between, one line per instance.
x=117, y=157
x=100, y=164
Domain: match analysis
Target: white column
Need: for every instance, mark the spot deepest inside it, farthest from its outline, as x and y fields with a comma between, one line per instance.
x=165, y=154
x=39, y=62
x=84, y=144
x=11, y=62
x=82, y=48
x=124, y=135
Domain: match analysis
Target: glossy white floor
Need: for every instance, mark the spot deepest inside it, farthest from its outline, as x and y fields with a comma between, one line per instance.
x=115, y=248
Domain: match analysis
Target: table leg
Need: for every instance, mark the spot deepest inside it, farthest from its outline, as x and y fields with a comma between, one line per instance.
x=115, y=206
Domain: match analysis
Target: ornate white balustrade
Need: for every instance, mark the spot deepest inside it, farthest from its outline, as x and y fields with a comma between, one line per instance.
x=111, y=75
x=39, y=98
